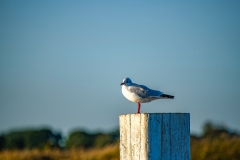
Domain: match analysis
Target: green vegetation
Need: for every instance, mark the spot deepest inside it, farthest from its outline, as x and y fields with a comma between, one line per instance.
x=82, y=139
x=30, y=139
x=215, y=143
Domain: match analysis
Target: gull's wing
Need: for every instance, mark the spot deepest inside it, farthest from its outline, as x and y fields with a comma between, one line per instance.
x=144, y=91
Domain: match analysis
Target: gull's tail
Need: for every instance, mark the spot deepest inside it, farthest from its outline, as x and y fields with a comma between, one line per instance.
x=167, y=96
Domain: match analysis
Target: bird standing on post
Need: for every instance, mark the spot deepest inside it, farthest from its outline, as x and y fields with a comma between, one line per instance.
x=140, y=93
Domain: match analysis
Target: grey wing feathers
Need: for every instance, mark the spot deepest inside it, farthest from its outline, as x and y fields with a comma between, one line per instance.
x=144, y=91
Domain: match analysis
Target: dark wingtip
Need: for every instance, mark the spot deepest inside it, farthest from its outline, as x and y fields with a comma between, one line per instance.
x=167, y=96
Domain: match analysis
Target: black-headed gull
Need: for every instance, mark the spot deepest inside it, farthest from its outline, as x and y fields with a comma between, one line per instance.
x=140, y=93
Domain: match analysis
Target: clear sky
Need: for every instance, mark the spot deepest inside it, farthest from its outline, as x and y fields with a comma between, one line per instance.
x=62, y=62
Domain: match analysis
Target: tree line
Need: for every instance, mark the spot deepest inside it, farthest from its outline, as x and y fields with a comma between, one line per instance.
x=46, y=138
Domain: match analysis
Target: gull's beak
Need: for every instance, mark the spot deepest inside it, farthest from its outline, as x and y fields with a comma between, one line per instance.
x=122, y=84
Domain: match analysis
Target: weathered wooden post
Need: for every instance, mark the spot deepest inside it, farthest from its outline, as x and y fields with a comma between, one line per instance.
x=155, y=136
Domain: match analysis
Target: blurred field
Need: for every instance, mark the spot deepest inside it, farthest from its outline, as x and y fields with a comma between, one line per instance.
x=215, y=143
x=219, y=148
x=107, y=153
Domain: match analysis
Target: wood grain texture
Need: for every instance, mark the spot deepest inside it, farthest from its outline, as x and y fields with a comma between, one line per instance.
x=155, y=136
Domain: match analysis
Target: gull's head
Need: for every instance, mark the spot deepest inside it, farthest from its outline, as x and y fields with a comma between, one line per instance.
x=126, y=81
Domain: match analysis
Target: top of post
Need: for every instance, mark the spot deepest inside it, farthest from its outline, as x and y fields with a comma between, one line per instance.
x=155, y=114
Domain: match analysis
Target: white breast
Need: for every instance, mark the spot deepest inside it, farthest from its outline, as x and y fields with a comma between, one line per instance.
x=130, y=95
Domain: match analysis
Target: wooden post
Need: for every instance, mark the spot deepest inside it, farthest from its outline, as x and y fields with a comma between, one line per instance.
x=155, y=136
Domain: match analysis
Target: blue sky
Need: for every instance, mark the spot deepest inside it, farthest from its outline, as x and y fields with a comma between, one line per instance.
x=62, y=62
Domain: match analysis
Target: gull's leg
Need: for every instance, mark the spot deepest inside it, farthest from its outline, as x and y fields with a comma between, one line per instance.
x=139, y=105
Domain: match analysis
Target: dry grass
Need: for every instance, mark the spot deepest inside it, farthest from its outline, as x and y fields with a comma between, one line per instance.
x=220, y=148
x=106, y=153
